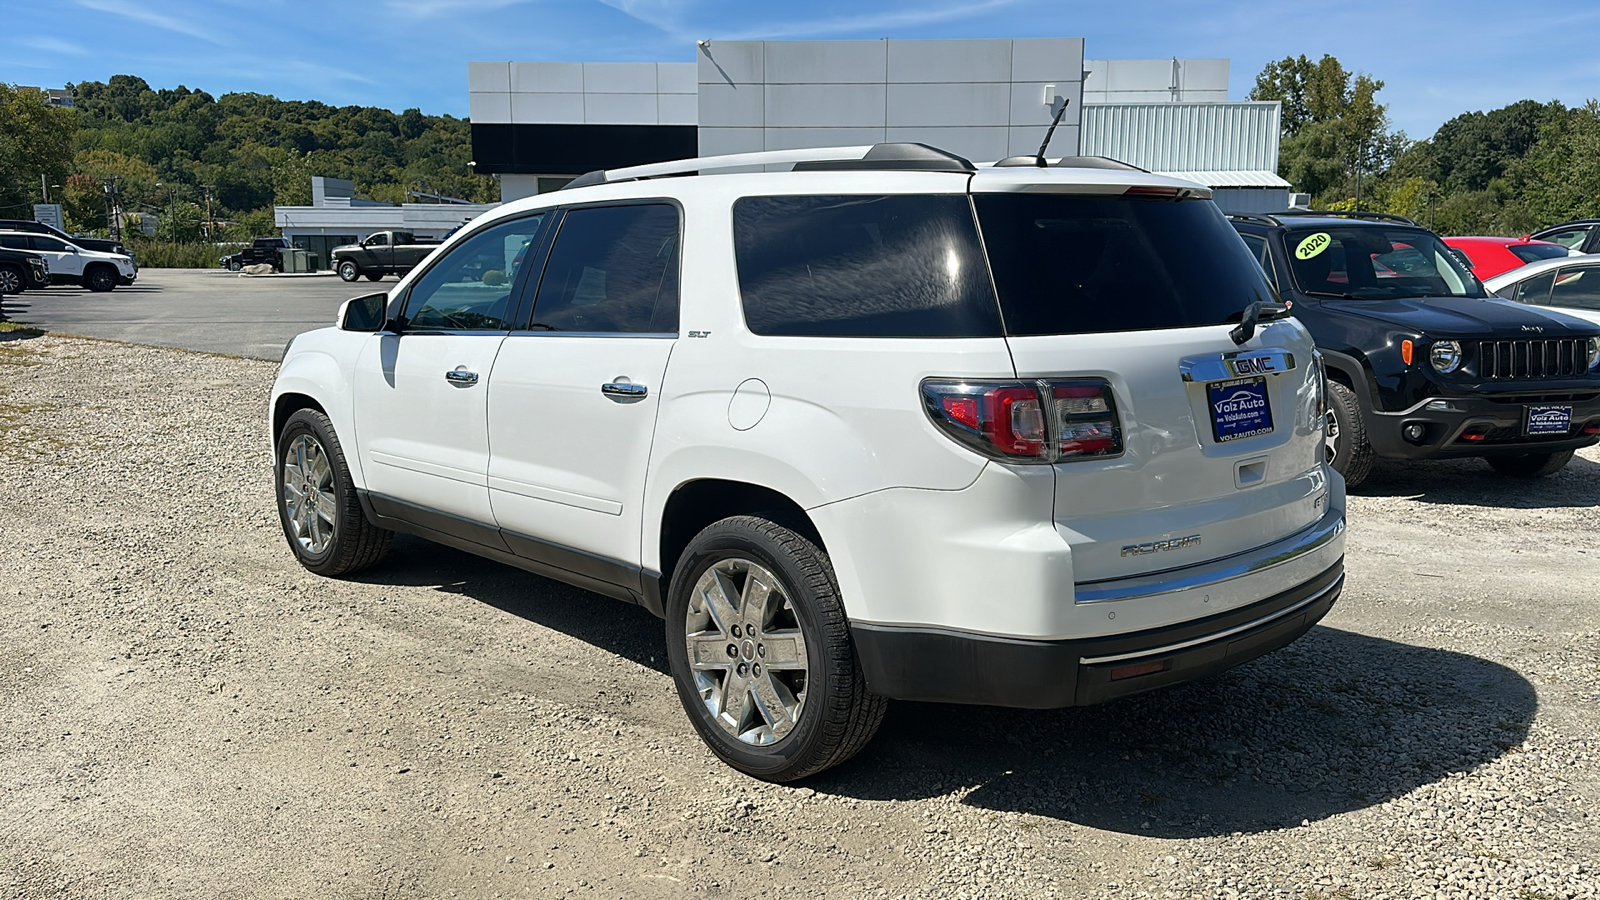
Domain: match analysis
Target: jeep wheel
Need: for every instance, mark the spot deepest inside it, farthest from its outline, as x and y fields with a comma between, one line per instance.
x=760, y=650
x=374, y=276
x=1346, y=441
x=317, y=504
x=11, y=281
x=349, y=271
x=100, y=279
x=1530, y=465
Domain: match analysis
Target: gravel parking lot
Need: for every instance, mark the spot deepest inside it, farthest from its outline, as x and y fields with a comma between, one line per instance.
x=184, y=712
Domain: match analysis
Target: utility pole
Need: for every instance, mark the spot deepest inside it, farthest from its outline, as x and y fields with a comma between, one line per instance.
x=208, y=212
x=44, y=187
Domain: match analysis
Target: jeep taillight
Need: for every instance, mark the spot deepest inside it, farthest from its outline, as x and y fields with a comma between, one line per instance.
x=1044, y=421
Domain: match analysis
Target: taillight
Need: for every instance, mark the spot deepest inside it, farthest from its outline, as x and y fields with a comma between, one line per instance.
x=1047, y=421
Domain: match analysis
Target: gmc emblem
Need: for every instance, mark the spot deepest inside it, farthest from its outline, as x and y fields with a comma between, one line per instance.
x=1252, y=366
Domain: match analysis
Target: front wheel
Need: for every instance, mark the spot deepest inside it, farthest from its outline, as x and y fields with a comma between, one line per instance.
x=349, y=271
x=12, y=281
x=760, y=650
x=100, y=279
x=317, y=502
x=1530, y=465
x=1345, y=442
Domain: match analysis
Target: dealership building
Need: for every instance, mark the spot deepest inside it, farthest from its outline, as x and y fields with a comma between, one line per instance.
x=538, y=125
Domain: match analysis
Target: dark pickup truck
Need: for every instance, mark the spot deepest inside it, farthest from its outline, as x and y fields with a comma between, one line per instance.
x=382, y=253
x=264, y=251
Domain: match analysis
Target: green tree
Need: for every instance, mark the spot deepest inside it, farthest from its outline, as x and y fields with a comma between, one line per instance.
x=1334, y=128
x=35, y=139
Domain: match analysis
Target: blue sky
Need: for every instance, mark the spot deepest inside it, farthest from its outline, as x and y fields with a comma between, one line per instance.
x=1437, y=59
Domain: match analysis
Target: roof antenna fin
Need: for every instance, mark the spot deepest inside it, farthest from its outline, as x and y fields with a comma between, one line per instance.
x=1060, y=111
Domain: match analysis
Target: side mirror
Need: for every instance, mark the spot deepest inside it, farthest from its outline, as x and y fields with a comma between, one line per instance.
x=364, y=313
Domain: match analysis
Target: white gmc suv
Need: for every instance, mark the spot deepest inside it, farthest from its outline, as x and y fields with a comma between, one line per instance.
x=887, y=425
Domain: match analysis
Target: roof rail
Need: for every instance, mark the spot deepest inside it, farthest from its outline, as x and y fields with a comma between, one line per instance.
x=1261, y=218
x=1071, y=162
x=1347, y=214
x=902, y=156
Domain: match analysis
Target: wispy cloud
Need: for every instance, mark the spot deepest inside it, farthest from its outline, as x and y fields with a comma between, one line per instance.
x=151, y=17
x=429, y=9
x=679, y=21
x=55, y=45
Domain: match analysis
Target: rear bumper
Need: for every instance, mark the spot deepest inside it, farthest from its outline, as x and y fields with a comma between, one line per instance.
x=911, y=663
x=1500, y=420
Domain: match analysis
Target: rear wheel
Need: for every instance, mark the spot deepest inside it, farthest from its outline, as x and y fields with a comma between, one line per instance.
x=1346, y=440
x=234, y=265
x=349, y=271
x=1530, y=465
x=12, y=281
x=317, y=502
x=100, y=279
x=760, y=651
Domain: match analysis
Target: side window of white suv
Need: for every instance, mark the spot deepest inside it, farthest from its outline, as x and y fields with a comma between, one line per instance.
x=612, y=270
x=470, y=288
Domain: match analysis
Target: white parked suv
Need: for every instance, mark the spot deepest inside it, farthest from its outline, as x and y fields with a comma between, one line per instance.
x=72, y=264
x=888, y=425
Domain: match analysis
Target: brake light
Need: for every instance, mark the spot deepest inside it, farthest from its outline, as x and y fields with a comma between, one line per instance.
x=1150, y=190
x=1047, y=421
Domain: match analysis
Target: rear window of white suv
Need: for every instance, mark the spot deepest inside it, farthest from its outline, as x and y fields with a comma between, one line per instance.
x=900, y=265
x=1072, y=264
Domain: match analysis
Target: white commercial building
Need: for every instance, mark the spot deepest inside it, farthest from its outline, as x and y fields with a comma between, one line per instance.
x=336, y=216
x=538, y=124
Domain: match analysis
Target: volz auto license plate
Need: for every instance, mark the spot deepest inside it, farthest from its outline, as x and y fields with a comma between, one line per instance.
x=1549, y=420
x=1239, y=409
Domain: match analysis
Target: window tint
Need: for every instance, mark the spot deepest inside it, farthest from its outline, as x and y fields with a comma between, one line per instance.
x=1369, y=263
x=1077, y=265
x=613, y=269
x=469, y=289
x=1572, y=238
x=1577, y=287
x=1533, y=290
x=1534, y=252
x=863, y=266
x=45, y=242
x=14, y=241
x=378, y=240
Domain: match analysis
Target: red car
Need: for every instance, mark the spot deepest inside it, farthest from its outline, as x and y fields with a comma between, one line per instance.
x=1489, y=256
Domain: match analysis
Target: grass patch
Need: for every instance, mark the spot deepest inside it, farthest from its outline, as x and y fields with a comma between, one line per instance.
x=20, y=329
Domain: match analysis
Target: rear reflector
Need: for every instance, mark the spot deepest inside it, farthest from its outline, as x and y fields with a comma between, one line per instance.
x=1473, y=436
x=1592, y=428
x=1137, y=669
x=1045, y=421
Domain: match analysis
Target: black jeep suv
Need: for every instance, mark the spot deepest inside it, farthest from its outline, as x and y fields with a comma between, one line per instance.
x=1422, y=363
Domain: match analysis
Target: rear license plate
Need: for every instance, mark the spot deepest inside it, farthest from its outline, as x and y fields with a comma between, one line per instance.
x=1239, y=409
x=1548, y=420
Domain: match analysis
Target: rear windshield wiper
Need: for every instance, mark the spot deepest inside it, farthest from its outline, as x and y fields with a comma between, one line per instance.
x=1257, y=310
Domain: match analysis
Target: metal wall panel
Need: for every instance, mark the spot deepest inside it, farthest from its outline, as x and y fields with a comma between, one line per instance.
x=961, y=62
x=547, y=77
x=824, y=62
x=1171, y=137
x=961, y=105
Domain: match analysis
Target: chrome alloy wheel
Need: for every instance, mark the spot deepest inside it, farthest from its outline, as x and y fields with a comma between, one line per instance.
x=308, y=497
x=1330, y=438
x=10, y=282
x=747, y=651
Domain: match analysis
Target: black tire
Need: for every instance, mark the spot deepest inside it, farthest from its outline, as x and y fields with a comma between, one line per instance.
x=12, y=281
x=100, y=279
x=1530, y=465
x=835, y=716
x=348, y=270
x=374, y=276
x=234, y=265
x=350, y=542
x=1349, y=451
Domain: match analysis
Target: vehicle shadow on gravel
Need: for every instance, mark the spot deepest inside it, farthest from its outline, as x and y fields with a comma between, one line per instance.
x=616, y=627
x=1470, y=482
x=1336, y=722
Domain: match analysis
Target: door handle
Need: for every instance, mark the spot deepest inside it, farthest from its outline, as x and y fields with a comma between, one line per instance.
x=461, y=376
x=625, y=390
